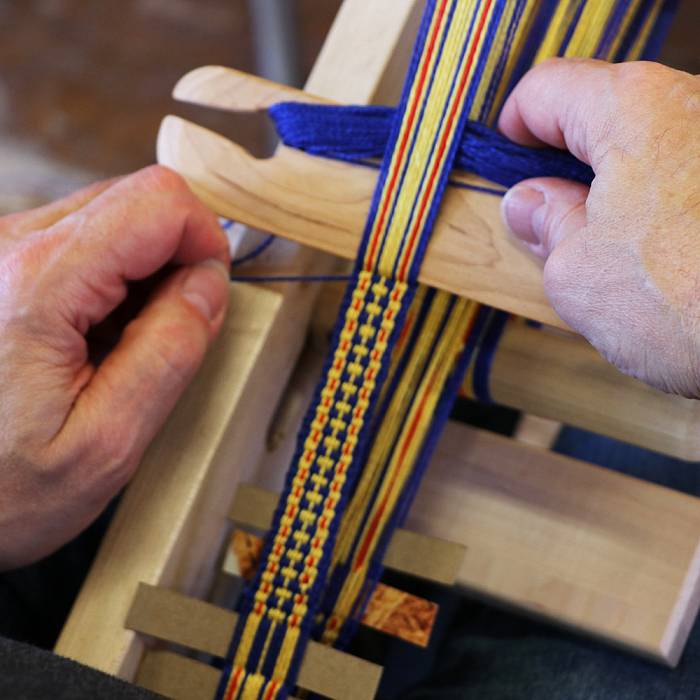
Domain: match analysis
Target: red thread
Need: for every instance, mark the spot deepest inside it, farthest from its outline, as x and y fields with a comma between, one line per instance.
x=407, y=130
x=443, y=143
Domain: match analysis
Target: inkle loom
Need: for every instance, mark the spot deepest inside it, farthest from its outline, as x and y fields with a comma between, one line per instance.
x=400, y=351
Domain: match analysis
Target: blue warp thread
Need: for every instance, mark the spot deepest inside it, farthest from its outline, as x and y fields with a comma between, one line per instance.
x=360, y=134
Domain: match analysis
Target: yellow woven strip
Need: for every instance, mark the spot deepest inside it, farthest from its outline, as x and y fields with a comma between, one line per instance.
x=521, y=34
x=391, y=425
x=557, y=29
x=415, y=187
x=408, y=131
x=411, y=433
x=624, y=28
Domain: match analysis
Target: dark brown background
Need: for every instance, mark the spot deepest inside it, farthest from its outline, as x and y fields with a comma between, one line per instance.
x=84, y=83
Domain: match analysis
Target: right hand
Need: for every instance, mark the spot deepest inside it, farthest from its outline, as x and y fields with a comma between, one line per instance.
x=622, y=259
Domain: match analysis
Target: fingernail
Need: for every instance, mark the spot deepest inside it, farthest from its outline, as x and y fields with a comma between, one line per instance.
x=206, y=287
x=518, y=209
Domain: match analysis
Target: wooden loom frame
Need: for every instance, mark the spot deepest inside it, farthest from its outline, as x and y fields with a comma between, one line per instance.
x=517, y=515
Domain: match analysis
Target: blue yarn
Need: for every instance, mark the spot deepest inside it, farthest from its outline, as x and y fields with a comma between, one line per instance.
x=486, y=351
x=360, y=134
x=255, y=252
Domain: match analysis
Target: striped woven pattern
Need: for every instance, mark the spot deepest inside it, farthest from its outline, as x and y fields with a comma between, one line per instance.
x=400, y=351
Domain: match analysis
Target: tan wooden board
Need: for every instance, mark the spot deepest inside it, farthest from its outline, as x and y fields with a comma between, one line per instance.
x=560, y=376
x=599, y=552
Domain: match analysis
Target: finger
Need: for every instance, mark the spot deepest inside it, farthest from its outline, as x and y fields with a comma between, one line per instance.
x=541, y=212
x=128, y=232
x=130, y=394
x=565, y=103
x=150, y=218
x=47, y=215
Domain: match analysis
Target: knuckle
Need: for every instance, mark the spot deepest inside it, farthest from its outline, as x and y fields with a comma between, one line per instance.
x=115, y=455
x=160, y=178
x=559, y=273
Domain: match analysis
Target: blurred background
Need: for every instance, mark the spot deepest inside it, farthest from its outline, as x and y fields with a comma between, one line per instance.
x=85, y=83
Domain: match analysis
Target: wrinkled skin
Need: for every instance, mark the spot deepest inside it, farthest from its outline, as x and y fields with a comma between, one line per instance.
x=622, y=260
x=622, y=264
x=72, y=431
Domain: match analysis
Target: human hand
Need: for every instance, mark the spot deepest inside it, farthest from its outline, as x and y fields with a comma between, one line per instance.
x=71, y=433
x=623, y=258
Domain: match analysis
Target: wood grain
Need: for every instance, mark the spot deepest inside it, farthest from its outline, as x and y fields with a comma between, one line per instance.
x=560, y=376
x=588, y=548
x=324, y=203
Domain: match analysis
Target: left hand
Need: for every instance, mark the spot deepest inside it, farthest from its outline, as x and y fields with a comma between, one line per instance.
x=72, y=431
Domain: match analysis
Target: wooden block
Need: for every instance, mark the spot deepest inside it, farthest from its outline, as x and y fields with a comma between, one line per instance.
x=602, y=553
x=411, y=553
x=173, y=617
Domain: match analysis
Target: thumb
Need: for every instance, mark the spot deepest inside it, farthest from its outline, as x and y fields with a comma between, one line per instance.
x=541, y=212
x=131, y=393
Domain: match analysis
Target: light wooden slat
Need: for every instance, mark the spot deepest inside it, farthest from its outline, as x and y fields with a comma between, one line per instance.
x=411, y=553
x=324, y=203
x=586, y=547
x=178, y=677
x=562, y=377
x=170, y=523
x=176, y=618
